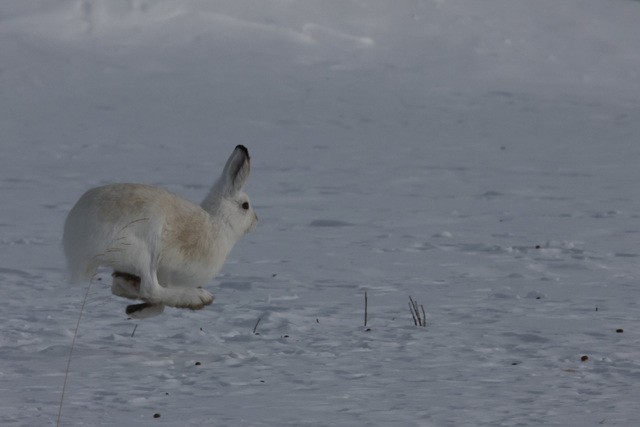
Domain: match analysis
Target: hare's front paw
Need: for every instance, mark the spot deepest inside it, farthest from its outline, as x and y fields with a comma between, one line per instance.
x=193, y=299
x=204, y=297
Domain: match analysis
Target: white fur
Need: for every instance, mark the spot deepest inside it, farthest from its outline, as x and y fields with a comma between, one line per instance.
x=173, y=245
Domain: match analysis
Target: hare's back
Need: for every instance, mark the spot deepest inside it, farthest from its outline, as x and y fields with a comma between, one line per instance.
x=116, y=203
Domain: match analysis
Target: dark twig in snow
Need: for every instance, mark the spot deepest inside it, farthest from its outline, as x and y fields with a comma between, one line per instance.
x=412, y=315
x=254, y=328
x=413, y=307
x=134, y=330
x=415, y=310
x=365, y=309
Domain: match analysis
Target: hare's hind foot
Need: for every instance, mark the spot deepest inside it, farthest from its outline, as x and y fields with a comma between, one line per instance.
x=144, y=310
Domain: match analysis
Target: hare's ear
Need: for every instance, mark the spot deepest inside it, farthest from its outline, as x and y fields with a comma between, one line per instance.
x=236, y=171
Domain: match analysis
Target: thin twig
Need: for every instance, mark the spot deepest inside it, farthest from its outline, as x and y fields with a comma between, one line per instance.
x=365, y=309
x=412, y=315
x=424, y=316
x=134, y=330
x=75, y=334
x=254, y=328
x=415, y=310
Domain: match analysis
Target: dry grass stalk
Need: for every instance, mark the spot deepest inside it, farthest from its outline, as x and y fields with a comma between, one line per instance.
x=75, y=334
x=417, y=320
x=365, y=309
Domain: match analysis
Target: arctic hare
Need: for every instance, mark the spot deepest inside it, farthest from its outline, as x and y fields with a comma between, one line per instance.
x=162, y=248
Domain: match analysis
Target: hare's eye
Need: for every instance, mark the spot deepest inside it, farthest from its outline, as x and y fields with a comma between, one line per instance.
x=245, y=205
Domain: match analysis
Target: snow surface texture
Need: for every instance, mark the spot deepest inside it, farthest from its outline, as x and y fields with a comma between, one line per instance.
x=481, y=157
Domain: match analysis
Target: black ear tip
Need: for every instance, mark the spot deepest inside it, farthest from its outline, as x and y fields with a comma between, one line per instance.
x=243, y=148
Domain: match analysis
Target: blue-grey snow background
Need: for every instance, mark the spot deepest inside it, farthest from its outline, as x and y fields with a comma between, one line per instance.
x=419, y=148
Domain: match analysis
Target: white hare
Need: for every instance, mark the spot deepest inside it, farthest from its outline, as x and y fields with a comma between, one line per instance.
x=162, y=248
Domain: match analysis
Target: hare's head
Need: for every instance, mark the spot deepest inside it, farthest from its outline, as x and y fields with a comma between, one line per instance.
x=226, y=202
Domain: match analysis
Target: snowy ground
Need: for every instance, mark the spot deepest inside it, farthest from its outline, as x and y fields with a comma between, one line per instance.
x=481, y=157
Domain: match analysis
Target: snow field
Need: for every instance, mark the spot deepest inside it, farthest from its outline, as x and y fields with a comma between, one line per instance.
x=480, y=158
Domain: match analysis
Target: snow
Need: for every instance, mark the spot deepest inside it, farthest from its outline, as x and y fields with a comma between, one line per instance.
x=480, y=157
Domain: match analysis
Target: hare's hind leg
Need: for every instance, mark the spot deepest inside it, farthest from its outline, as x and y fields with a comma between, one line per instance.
x=125, y=285
x=128, y=286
